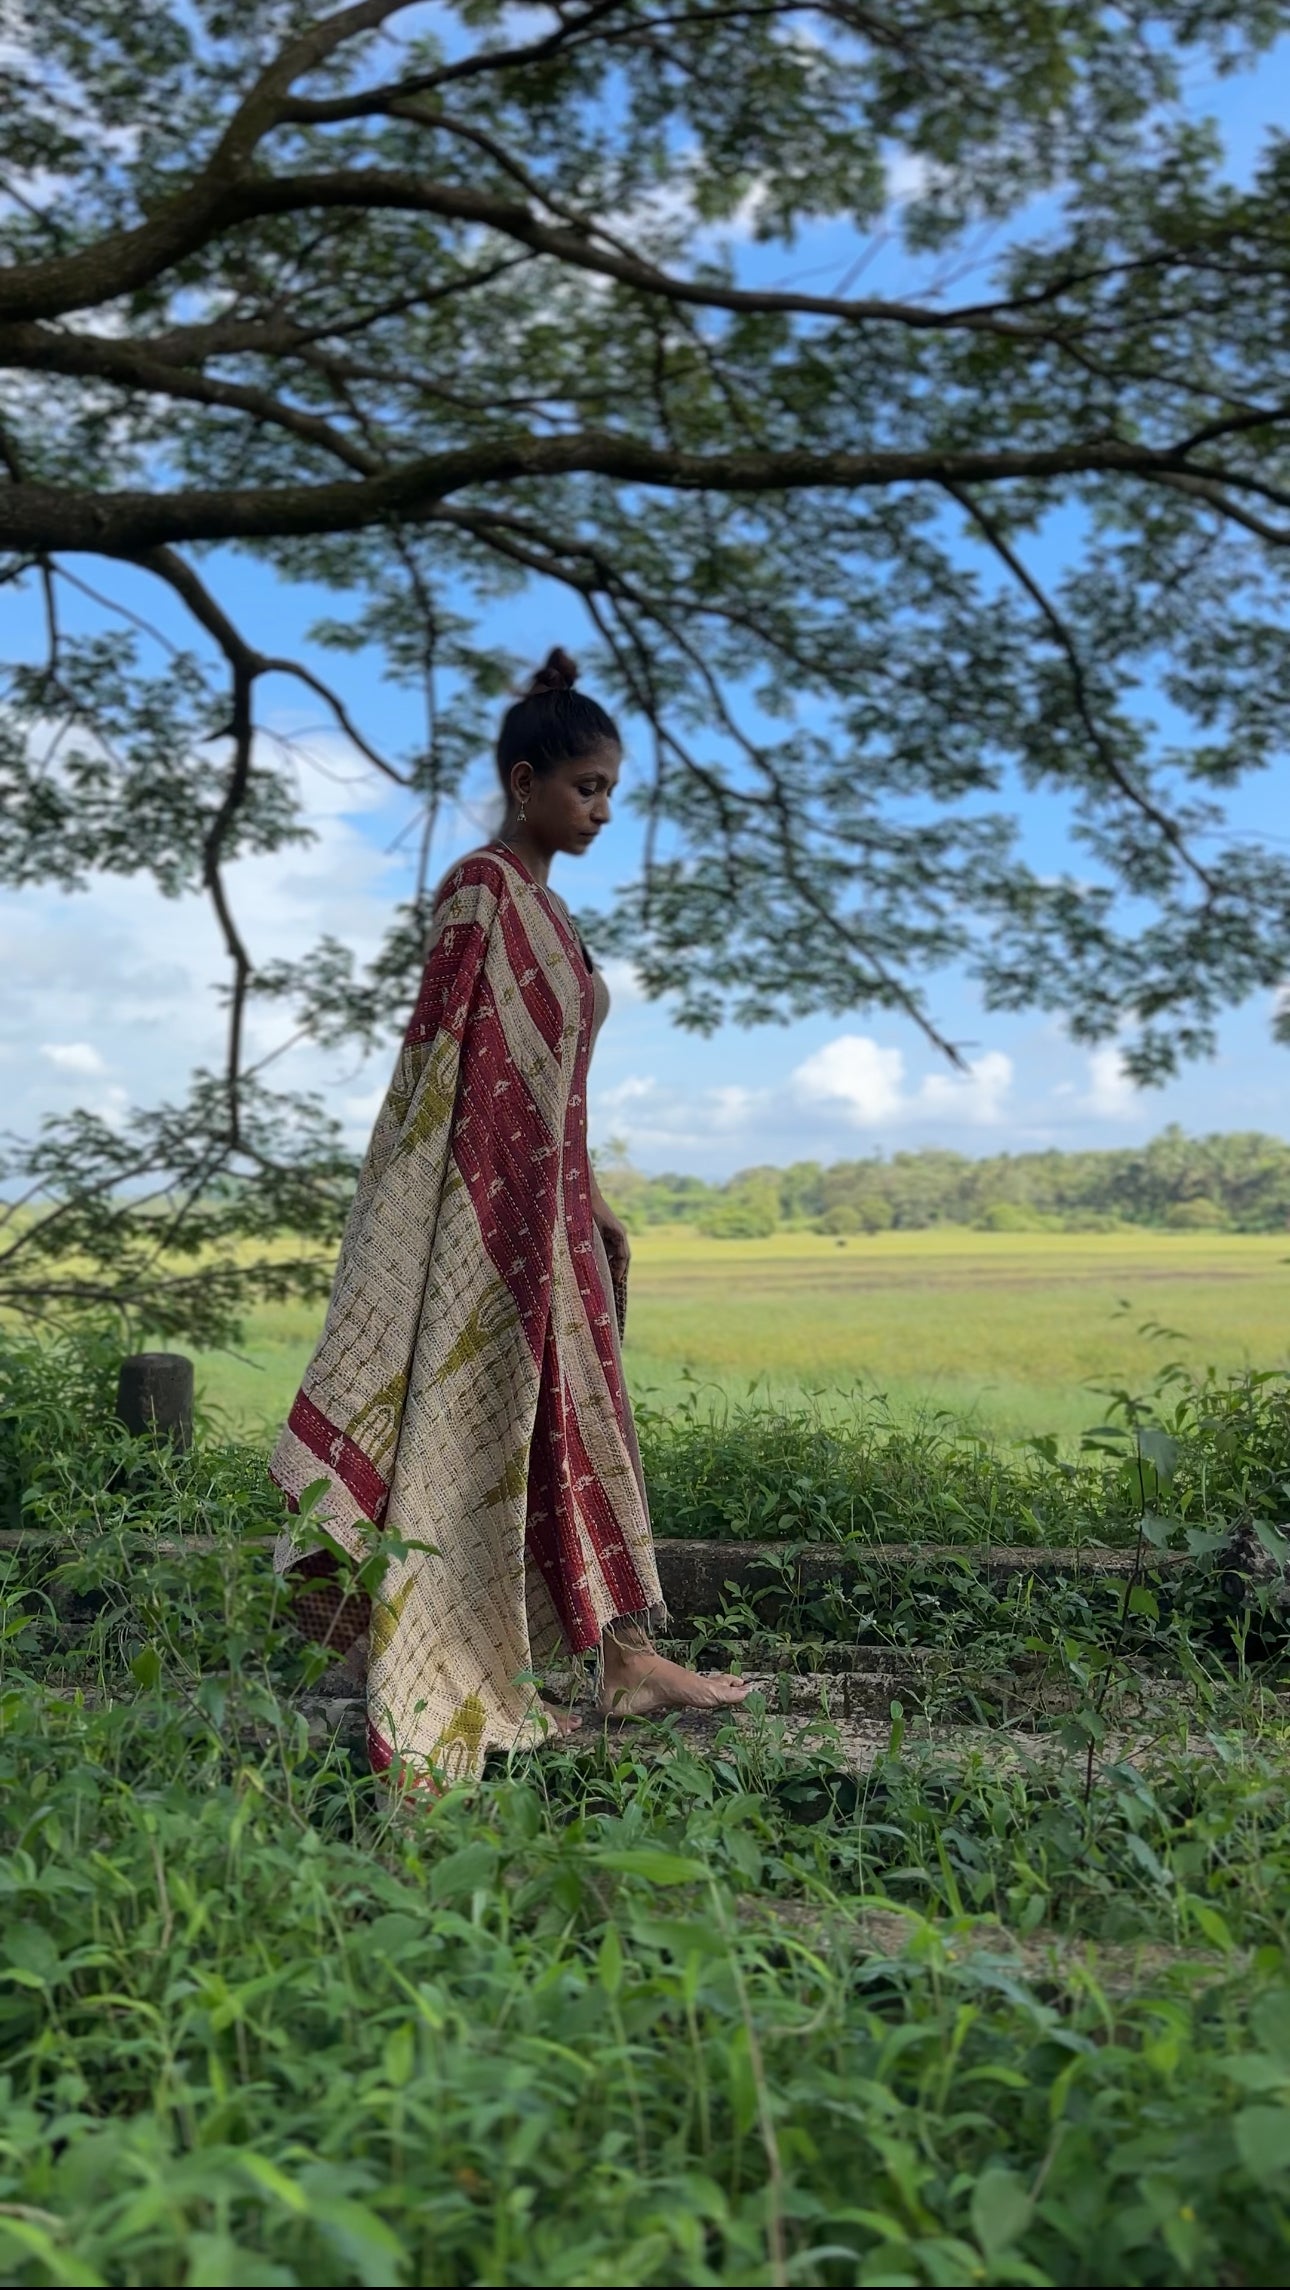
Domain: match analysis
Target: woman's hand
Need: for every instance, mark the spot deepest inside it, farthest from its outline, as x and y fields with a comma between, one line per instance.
x=613, y=1233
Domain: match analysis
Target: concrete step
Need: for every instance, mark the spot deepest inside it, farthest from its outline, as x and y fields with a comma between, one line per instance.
x=701, y=1579
x=704, y=1578
x=851, y=1742
x=823, y=1729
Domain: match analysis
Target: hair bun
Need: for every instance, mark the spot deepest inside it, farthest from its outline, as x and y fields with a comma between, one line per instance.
x=558, y=673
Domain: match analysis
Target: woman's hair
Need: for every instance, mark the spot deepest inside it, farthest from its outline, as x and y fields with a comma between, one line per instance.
x=552, y=724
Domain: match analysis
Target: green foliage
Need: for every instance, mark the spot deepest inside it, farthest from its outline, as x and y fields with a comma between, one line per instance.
x=1239, y=1180
x=1197, y=1214
x=634, y=2014
x=799, y=1475
x=267, y=278
x=1009, y=1216
x=67, y=1465
x=309, y=2046
x=167, y=1226
x=739, y=1220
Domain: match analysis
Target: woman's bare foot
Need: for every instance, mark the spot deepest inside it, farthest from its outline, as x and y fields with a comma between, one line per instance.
x=560, y=1720
x=637, y=1682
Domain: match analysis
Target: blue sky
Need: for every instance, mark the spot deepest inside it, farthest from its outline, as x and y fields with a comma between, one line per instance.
x=116, y=1003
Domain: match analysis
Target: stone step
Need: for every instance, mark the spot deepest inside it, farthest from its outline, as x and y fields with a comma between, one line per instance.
x=701, y=1579
x=825, y=1741
x=828, y=1733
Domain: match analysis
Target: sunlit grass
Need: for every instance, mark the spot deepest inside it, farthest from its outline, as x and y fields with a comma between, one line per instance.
x=1009, y=1330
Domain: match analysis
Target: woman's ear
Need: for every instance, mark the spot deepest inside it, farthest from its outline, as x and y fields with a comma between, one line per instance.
x=521, y=781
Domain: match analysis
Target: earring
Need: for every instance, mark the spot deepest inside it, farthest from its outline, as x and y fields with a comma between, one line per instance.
x=524, y=810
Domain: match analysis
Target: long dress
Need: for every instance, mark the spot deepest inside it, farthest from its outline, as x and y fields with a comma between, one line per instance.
x=465, y=1407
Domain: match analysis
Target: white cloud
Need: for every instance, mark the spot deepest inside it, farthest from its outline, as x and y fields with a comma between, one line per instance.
x=866, y=1083
x=1110, y=1094
x=635, y=1089
x=977, y=1095
x=855, y=1075
x=909, y=176
x=122, y=980
x=656, y=1118
x=732, y=1106
x=850, y=1083
x=73, y=1057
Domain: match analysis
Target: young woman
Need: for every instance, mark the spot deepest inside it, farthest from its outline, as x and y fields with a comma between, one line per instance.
x=467, y=1394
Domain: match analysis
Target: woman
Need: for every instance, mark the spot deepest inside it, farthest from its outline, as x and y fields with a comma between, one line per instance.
x=467, y=1395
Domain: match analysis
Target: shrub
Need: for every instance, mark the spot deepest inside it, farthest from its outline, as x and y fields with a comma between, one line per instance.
x=739, y=1220
x=876, y=1212
x=1199, y=1214
x=842, y=1219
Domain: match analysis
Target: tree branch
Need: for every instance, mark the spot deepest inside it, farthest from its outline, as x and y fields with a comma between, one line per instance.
x=401, y=191
x=123, y=261
x=1065, y=643
x=35, y=516
x=39, y=349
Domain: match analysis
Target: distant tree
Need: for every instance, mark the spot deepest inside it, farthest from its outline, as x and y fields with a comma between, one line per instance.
x=1196, y=1215
x=1009, y=1216
x=875, y=1213
x=1241, y=1180
x=739, y=1220
x=800, y=1192
x=422, y=305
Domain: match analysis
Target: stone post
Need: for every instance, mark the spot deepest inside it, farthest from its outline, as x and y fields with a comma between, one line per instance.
x=154, y=1397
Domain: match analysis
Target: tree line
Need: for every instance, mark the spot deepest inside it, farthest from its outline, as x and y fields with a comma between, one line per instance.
x=1237, y=1182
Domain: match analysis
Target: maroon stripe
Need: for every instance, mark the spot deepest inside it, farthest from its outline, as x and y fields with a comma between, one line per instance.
x=602, y=1527
x=551, y=1536
x=485, y=870
x=578, y=1220
x=449, y=981
x=540, y=999
x=337, y=1450
x=507, y=1159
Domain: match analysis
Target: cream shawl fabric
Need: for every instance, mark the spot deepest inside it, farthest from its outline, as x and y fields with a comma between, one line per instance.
x=466, y=1393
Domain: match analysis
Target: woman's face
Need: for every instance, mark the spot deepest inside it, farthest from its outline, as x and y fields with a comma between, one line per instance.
x=566, y=809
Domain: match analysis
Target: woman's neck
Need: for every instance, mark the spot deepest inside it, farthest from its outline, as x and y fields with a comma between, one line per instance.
x=515, y=838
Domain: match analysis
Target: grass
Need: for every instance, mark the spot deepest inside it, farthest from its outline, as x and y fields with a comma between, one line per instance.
x=1004, y=1331
x=768, y=2014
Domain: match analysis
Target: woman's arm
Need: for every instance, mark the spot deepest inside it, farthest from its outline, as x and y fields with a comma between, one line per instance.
x=613, y=1232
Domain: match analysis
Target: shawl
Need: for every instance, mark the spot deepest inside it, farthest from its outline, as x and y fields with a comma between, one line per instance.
x=466, y=1394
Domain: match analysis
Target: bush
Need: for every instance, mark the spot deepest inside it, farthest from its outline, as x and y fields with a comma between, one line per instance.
x=67, y=1464
x=1199, y=1214
x=787, y=1474
x=264, y=2025
x=842, y=1219
x=1010, y=1216
x=739, y=1220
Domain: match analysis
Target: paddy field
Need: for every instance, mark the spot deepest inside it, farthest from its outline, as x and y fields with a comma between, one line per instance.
x=1014, y=1332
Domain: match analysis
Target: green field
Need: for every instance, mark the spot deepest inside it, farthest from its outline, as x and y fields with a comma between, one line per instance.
x=1008, y=1330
